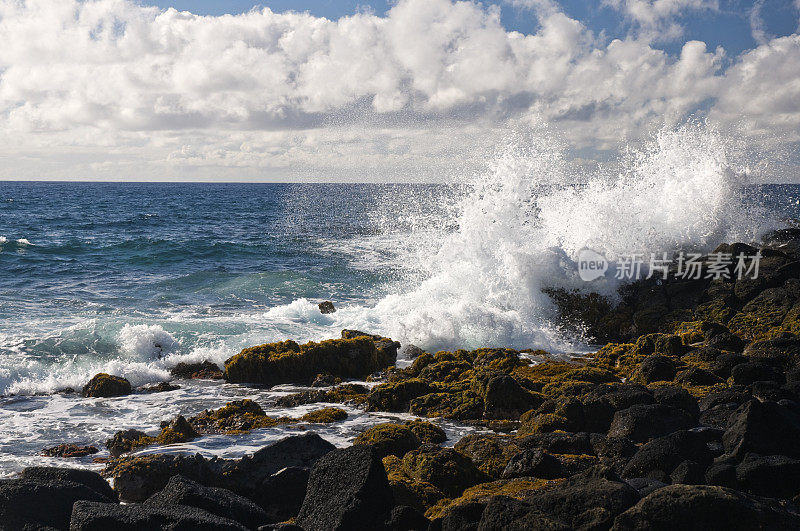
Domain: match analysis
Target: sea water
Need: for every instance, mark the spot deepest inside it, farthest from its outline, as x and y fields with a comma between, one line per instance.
x=132, y=278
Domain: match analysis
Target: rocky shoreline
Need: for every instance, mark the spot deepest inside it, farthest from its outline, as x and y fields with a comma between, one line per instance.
x=688, y=417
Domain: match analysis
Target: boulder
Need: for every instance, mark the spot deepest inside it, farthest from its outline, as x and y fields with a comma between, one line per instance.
x=69, y=450
x=137, y=478
x=702, y=507
x=246, y=475
x=389, y=439
x=124, y=441
x=659, y=457
x=347, y=489
x=534, y=463
x=281, y=494
x=93, y=516
x=647, y=421
x=288, y=362
x=405, y=518
x=726, y=341
x=445, y=468
x=93, y=480
x=655, y=368
x=326, y=380
x=677, y=397
x=326, y=307
x=783, y=352
x=765, y=428
x=105, y=385
x=507, y=513
x=754, y=371
x=397, y=396
x=220, y=502
x=197, y=371
x=42, y=502
x=688, y=472
x=589, y=500
x=462, y=517
x=697, y=376
x=725, y=363
x=776, y=476
x=504, y=398
x=489, y=451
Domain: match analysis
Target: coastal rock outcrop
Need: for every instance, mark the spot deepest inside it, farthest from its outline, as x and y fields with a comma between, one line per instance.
x=105, y=385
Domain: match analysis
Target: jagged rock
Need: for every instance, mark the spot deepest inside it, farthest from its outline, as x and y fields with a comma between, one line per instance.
x=645, y=486
x=688, y=472
x=161, y=387
x=405, y=518
x=326, y=307
x=197, y=371
x=69, y=450
x=41, y=503
x=93, y=516
x=139, y=477
x=104, y=385
x=778, y=352
x=281, y=494
x=326, y=380
x=93, y=480
x=124, y=441
x=246, y=475
x=534, y=463
x=647, y=421
x=764, y=428
x=559, y=443
x=462, y=517
x=347, y=489
x=220, y=502
x=701, y=507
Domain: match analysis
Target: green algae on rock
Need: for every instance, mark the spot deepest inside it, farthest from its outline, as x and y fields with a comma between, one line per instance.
x=289, y=362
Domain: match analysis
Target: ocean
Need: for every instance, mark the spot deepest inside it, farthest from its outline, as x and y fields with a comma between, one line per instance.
x=132, y=278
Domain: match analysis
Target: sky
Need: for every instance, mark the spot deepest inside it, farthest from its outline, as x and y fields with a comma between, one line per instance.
x=397, y=90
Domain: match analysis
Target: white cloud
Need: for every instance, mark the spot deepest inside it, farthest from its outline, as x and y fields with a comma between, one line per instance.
x=109, y=89
x=658, y=19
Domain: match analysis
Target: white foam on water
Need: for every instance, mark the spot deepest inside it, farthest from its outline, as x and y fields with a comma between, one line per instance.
x=520, y=229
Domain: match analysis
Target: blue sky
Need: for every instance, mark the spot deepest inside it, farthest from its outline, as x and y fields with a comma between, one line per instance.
x=728, y=27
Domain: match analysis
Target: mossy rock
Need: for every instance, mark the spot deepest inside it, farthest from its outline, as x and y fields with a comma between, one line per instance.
x=104, y=385
x=463, y=405
x=408, y=491
x=448, y=371
x=518, y=488
x=177, y=431
x=389, y=439
x=489, y=451
x=427, y=432
x=447, y=469
x=542, y=423
x=325, y=415
x=288, y=362
x=397, y=396
x=759, y=317
x=237, y=416
x=504, y=360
